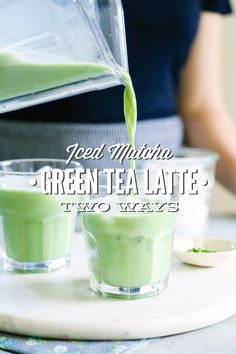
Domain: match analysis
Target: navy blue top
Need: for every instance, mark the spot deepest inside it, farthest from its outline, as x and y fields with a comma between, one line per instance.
x=159, y=37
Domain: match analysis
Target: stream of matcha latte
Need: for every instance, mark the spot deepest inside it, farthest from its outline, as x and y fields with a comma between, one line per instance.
x=21, y=76
x=125, y=250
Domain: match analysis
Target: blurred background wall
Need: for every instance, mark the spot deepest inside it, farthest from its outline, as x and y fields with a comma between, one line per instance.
x=229, y=59
x=223, y=202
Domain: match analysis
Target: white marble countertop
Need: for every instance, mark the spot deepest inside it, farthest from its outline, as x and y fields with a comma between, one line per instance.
x=209, y=299
x=216, y=339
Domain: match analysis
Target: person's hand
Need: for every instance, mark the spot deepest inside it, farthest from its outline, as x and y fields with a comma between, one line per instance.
x=207, y=122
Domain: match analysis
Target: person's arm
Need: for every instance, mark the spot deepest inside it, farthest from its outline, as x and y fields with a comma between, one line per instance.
x=207, y=121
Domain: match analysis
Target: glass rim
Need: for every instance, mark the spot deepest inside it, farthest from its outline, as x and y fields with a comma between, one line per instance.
x=6, y=163
x=175, y=181
x=187, y=156
x=139, y=170
x=192, y=155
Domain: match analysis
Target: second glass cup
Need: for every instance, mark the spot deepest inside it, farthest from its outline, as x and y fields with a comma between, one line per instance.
x=35, y=232
x=129, y=253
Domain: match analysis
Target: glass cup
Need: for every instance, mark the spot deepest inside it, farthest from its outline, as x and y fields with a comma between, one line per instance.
x=194, y=209
x=129, y=253
x=35, y=232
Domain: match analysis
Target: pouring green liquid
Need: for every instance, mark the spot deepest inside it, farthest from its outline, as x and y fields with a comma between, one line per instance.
x=35, y=229
x=21, y=76
x=125, y=250
x=130, y=111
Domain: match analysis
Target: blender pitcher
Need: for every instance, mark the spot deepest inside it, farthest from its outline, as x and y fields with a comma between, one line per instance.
x=53, y=49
